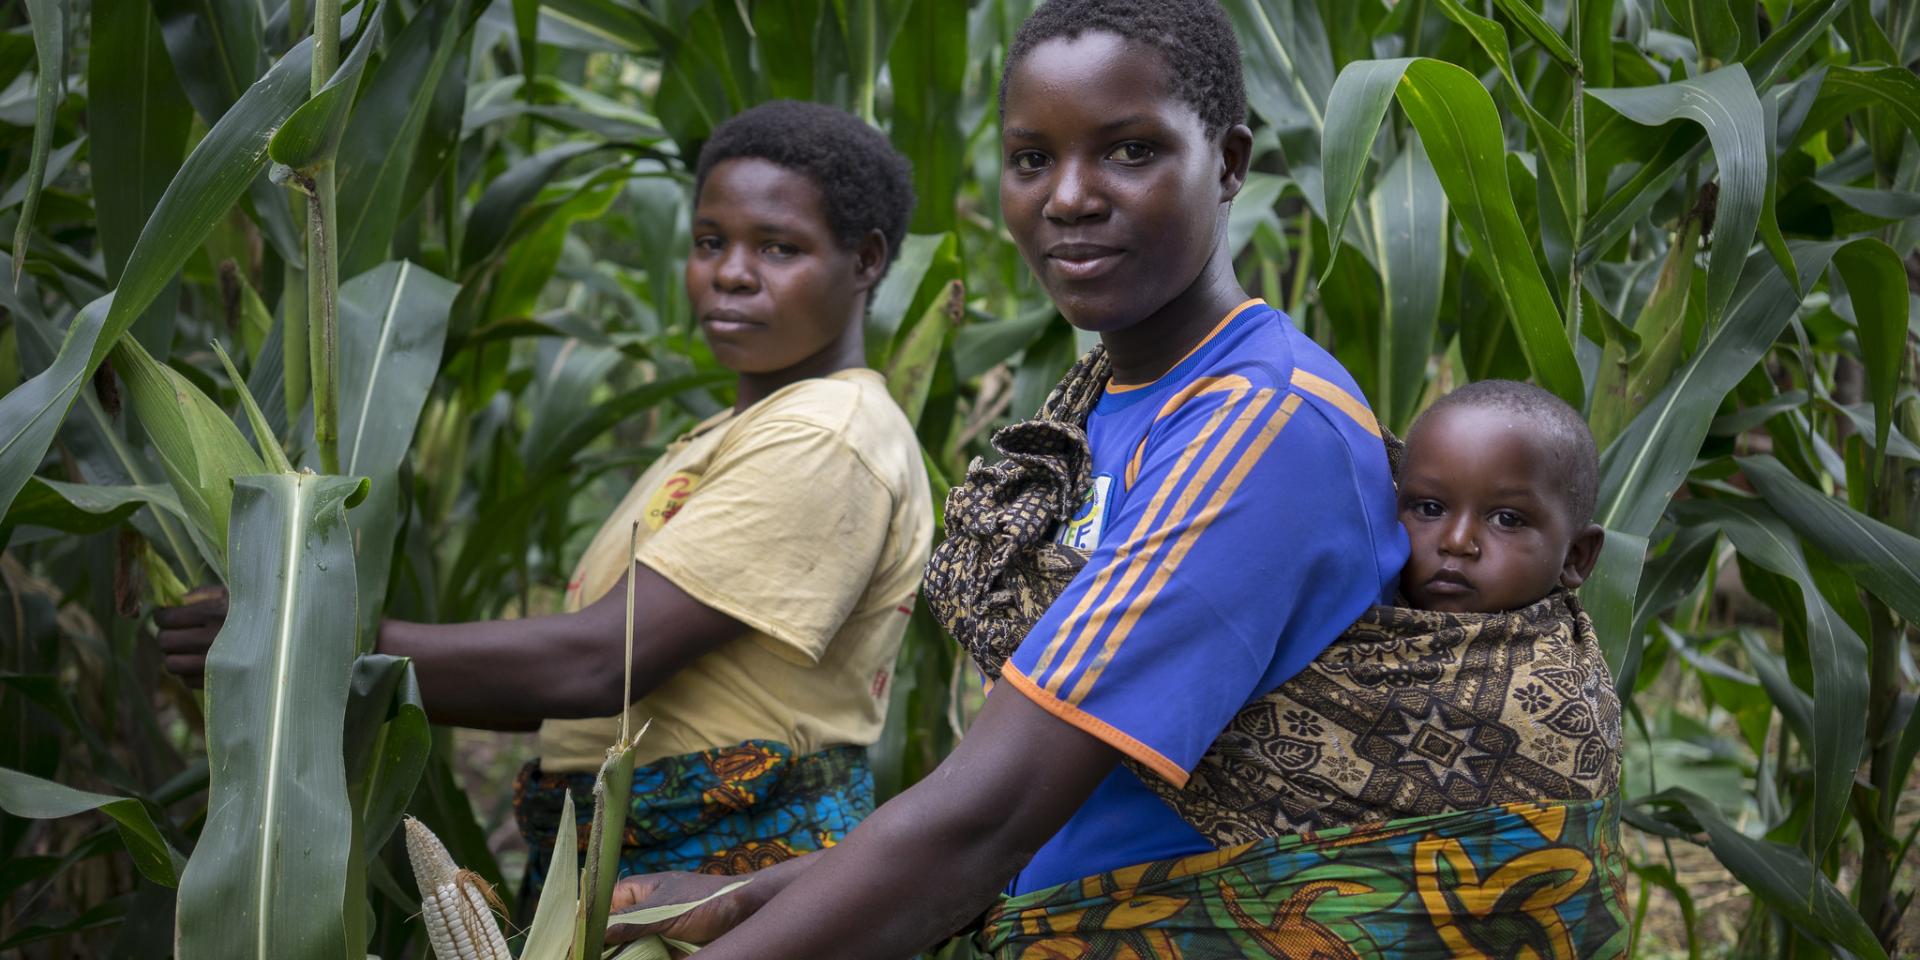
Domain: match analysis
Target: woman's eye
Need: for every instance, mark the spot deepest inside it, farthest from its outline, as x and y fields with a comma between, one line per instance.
x=1029, y=160
x=1508, y=519
x=708, y=244
x=782, y=249
x=1133, y=151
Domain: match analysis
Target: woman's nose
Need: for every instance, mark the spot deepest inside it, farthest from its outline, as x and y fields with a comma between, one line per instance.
x=1076, y=195
x=733, y=274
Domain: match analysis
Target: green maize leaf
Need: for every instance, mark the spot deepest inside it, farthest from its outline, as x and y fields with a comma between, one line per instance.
x=214, y=176
x=1667, y=579
x=28, y=796
x=387, y=125
x=270, y=452
x=216, y=52
x=200, y=448
x=393, y=327
x=1710, y=24
x=1633, y=369
x=30, y=413
x=311, y=135
x=612, y=790
x=1609, y=595
x=1289, y=75
x=789, y=66
x=1849, y=90
x=566, y=378
x=551, y=936
x=387, y=739
x=1725, y=104
x=928, y=67
x=1796, y=707
x=106, y=914
x=1885, y=560
x=271, y=866
x=393, y=323
x=1596, y=41
x=137, y=117
x=1640, y=471
x=493, y=215
x=892, y=301
x=1629, y=204
x=910, y=371
x=83, y=507
x=1839, y=655
x=1885, y=204
x=1409, y=214
x=1549, y=39
x=608, y=20
x=105, y=453
x=1555, y=146
x=1877, y=286
x=1781, y=876
x=1460, y=128
x=49, y=21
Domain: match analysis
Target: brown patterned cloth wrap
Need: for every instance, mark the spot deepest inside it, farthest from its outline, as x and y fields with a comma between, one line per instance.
x=1409, y=713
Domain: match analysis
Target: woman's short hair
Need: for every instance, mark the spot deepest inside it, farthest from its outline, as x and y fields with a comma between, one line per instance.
x=1194, y=36
x=866, y=183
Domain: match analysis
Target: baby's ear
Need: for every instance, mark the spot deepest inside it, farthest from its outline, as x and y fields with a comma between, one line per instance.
x=1582, y=553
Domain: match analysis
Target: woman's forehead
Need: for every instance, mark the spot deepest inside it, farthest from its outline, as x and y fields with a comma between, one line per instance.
x=1097, y=78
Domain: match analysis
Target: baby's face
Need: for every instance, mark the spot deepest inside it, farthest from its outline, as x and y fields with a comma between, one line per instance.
x=1483, y=501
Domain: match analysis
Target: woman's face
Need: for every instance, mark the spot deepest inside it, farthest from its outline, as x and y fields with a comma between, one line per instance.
x=770, y=284
x=1110, y=186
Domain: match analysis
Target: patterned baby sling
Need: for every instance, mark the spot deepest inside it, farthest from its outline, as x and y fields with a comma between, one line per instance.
x=1431, y=786
x=1409, y=713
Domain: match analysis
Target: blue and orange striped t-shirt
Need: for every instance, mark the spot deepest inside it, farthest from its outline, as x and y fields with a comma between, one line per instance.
x=1241, y=516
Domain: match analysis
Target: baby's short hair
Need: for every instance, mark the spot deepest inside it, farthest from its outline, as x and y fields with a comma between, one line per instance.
x=866, y=183
x=1194, y=36
x=1564, y=429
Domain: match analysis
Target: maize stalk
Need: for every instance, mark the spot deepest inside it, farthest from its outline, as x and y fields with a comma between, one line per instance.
x=455, y=904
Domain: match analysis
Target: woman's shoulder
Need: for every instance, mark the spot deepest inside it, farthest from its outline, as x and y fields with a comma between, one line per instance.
x=851, y=407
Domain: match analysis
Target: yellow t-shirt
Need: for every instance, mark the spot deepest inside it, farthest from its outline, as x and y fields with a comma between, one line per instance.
x=807, y=518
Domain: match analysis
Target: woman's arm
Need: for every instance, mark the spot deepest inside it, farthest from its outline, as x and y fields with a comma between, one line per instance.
x=512, y=674
x=931, y=860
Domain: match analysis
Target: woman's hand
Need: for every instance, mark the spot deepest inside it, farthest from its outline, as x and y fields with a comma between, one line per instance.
x=702, y=924
x=186, y=631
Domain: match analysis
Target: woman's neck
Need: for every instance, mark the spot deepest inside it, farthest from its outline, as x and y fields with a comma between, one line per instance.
x=1145, y=351
x=844, y=352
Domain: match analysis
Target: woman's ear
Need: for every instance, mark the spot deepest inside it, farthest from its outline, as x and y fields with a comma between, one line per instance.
x=869, y=260
x=1582, y=554
x=1236, y=158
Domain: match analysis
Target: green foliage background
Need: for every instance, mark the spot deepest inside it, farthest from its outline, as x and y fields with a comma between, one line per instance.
x=1696, y=219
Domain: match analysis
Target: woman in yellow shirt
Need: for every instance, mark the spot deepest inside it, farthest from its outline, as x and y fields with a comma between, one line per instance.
x=781, y=541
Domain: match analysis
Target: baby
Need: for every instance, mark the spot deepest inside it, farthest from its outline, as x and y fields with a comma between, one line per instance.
x=1497, y=493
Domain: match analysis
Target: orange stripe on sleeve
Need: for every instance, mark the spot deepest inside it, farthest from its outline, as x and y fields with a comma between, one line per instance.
x=1186, y=495
x=1124, y=555
x=1345, y=402
x=1103, y=731
x=1201, y=521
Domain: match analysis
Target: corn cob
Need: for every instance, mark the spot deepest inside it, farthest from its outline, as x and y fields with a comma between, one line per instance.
x=454, y=903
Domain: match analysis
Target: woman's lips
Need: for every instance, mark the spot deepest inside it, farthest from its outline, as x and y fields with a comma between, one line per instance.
x=724, y=322
x=1082, y=261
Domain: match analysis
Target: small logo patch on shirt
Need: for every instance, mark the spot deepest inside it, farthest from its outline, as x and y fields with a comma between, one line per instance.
x=1083, y=531
x=671, y=496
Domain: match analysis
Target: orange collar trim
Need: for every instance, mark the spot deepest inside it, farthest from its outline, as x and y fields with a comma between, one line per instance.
x=1222, y=325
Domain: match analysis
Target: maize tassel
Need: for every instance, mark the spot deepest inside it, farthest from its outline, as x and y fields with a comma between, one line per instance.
x=455, y=904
